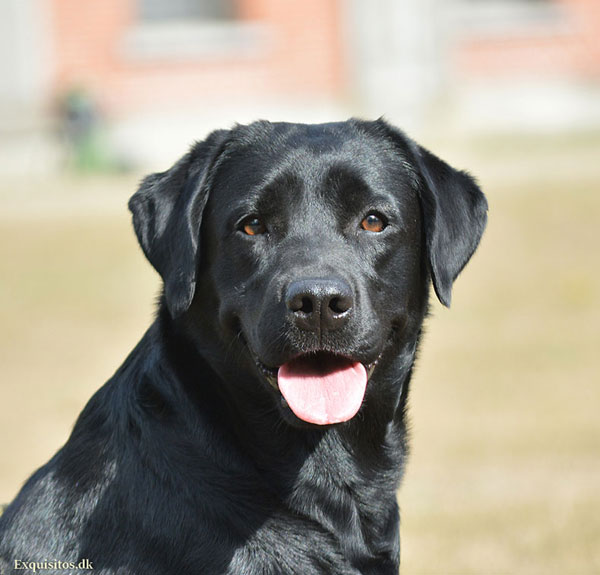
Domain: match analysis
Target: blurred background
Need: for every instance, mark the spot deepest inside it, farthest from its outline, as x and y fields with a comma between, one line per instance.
x=504, y=475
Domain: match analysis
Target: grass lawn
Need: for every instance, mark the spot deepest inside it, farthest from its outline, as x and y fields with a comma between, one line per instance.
x=504, y=475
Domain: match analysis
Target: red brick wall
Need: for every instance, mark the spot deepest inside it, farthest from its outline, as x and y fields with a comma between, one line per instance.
x=573, y=50
x=301, y=57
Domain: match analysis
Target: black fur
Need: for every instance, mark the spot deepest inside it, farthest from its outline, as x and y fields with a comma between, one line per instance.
x=187, y=460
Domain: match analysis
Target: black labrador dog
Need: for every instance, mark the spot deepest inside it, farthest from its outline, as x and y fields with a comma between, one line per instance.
x=259, y=425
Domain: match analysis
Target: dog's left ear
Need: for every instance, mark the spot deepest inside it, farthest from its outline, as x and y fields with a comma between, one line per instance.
x=454, y=213
x=167, y=210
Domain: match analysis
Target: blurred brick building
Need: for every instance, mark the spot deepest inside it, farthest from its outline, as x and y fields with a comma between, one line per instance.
x=540, y=38
x=478, y=64
x=155, y=54
x=530, y=65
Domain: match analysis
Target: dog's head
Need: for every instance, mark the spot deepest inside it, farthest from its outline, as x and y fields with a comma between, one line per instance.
x=298, y=256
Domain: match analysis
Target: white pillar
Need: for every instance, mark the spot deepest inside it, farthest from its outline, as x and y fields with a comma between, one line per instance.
x=394, y=60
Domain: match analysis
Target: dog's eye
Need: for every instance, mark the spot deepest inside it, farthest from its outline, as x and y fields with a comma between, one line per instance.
x=252, y=226
x=373, y=223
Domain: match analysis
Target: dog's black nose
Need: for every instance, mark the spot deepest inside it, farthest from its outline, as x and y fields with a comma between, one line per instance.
x=319, y=304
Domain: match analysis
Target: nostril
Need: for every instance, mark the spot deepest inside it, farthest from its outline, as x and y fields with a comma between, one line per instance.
x=334, y=305
x=340, y=304
x=307, y=305
x=301, y=303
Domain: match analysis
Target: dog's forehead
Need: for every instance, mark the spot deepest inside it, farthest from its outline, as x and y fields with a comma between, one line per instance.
x=303, y=156
x=283, y=142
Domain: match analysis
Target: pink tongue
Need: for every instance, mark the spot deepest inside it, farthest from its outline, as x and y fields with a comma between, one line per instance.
x=323, y=390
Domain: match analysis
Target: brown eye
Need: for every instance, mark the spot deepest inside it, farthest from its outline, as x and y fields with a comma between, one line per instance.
x=253, y=226
x=373, y=223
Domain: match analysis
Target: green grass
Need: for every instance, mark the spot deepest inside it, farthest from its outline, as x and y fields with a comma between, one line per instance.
x=504, y=475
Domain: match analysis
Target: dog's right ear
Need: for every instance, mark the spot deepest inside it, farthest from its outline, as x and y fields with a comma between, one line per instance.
x=167, y=211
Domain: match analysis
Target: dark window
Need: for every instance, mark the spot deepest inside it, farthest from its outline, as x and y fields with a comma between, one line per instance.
x=156, y=10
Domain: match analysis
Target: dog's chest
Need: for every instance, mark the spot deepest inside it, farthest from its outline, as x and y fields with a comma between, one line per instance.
x=323, y=530
x=295, y=545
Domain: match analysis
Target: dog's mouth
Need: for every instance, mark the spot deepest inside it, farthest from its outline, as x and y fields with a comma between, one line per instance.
x=321, y=387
